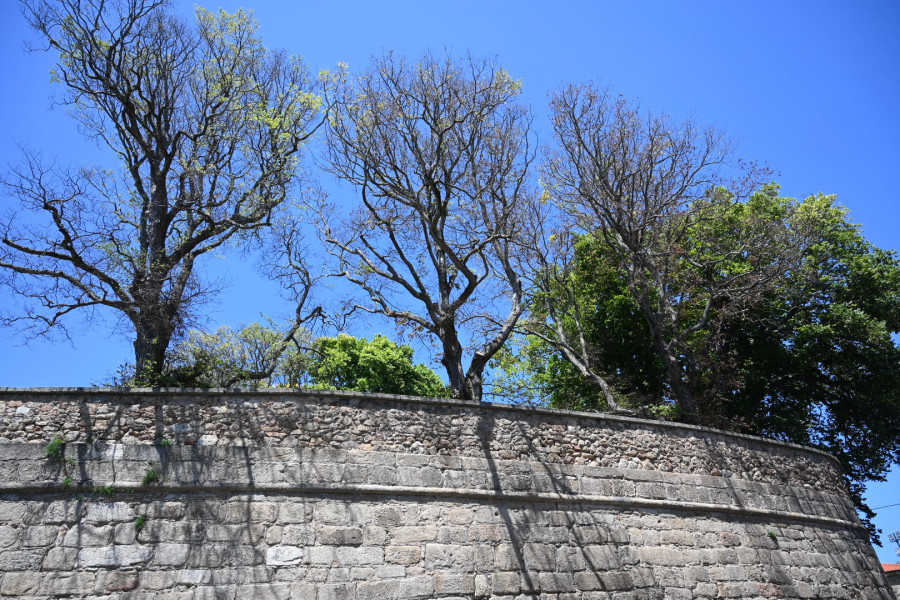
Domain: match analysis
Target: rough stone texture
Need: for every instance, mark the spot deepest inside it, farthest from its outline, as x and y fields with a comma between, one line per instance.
x=338, y=496
x=893, y=579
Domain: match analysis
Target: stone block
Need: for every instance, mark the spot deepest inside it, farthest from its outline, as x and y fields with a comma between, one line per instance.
x=333, y=591
x=355, y=574
x=453, y=534
x=24, y=583
x=114, y=556
x=588, y=580
x=83, y=536
x=40, y=535
x=378, y=590
x=364, y=555
x=69, y=585
x=295, y=535
x=446, y=583
x=164, y=510
x=390, y=571
x=303, y=591
x=387, y=517
x=617, y=580
x=243, y=556
x=416, y=587
x=109, y=512
x=449, y=556
x=320, y=555
x=12, y=512
x=277, y=556
x=193, y=576
x=403, y=555
x=414, y=534
x=569, y=559
x=339, y=536
x=251, y=512
x=419, y=477
x=125, y=533
x=21, y=560
x=9, y=535
x=172, y=555
x=539, y=557
x=557, y=582
x=676, y=537
x=60, y=559
x=507, y=583
x=295, y=512
x=461, y=515
x=121, y=581
x=375, y=535
x=265, y=591
x=64, y=511
x=329, y=512
x=508, y=557
x=218, y=592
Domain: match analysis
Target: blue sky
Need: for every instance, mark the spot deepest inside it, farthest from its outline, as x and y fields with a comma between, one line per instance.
x=812, y=89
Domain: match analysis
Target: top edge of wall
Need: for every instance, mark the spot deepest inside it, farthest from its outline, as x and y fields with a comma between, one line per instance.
x=289, y=393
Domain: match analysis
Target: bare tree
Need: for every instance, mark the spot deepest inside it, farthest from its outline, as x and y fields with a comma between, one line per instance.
x=207, y=125
x=654, y=192
x=440, y=154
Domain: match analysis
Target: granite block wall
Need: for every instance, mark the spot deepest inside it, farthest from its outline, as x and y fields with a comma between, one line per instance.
x=326, y=496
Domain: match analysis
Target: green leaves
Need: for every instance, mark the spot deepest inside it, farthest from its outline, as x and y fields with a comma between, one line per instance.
x=348, y=363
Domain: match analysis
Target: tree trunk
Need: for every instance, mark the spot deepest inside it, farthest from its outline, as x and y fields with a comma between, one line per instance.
x=474, y=385
x=153, y=332
x=452, y=361
x=684, y=399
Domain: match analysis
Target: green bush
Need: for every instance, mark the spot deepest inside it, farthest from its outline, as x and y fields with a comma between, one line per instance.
x=348, y=363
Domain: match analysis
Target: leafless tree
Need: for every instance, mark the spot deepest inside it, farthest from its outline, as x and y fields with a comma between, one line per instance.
x=439, y=152
x=653, y=191
x=207, y=125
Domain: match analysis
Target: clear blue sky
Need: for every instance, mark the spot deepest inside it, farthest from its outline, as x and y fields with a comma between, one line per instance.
x=810, y=88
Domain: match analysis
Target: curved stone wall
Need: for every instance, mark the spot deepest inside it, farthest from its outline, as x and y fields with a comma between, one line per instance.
x=331, y=495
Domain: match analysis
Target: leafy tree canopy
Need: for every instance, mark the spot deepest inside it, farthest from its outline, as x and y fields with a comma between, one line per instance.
x=348, y=363
x=815, y=361
x=260, y=356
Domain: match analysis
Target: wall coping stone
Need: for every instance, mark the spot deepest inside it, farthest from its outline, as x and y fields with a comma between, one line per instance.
x=294, y=489
x=288, y=394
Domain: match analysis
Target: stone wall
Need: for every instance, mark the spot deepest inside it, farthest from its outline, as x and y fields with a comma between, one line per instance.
x=328, y=496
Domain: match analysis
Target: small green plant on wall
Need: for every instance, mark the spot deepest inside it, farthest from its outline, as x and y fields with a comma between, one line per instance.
x=151, y=477
x=140, y=522
x=55, y=449
x=106, y=490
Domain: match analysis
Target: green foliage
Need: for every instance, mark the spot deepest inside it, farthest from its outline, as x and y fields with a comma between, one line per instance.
x=105, y=490
x=67, y=482
x=166, y=443
x=823, y=367
x=151, y=476
x=55, y=448
x=348, y=363
x=814, y=359
x=253, y=356
x=140, y=522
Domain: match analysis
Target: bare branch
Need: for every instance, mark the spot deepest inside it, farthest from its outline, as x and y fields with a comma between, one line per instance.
x=440, y=154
